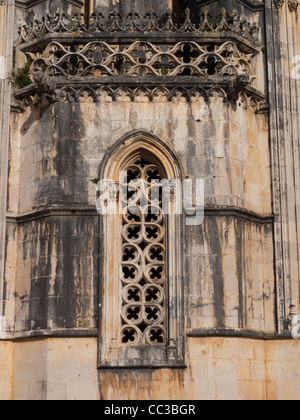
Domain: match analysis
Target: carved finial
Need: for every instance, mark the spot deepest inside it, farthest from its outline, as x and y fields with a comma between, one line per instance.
x=115, y=13
x=60, y=12
x=293, y=5
x=223, y=12
x=205, y=11
x=187, y=13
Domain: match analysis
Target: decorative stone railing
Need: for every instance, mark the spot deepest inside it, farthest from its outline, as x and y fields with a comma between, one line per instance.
x=223, y=24
x=153, y=55
x=100, y=59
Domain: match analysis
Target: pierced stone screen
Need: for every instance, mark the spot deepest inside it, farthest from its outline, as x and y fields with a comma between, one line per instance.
x=143, y=266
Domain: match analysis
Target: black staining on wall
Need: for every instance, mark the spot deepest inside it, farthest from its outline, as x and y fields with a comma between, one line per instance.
x=223, y=256
x=242, y=313
x=205, y=273
x=54, y=146
x=57, y=268
x=11, y=237
x=71, y=181
x=125, y=7
x=58, y=253
x=218, y=278
x=215, y=6
x=76, y=272
x=59, y=256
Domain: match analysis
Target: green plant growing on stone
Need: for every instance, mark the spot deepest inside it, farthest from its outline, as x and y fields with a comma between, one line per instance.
x=21, y=76
x=164, y=71
x=95, y=181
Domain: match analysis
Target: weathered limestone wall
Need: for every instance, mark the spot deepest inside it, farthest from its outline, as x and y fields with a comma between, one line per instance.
x=63, y=146
x=6, y=370
x=283, y=46
x=54, y=369
x=52, y=266
x=218, y=369
x=56, y=274
x=230, y=269
x=53, y=230
x=6, y=52
x=27, y=9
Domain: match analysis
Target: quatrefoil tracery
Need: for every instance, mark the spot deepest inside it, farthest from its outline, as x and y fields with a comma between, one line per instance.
x=143, y=265
x=187, y=58
x=148, y=233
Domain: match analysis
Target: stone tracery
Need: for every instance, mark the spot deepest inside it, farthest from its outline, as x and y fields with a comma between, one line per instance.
x=131, y=54
x=99, y=59
x=143, y=265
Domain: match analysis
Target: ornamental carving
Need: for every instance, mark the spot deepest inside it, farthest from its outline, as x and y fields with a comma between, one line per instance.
x=227, y=90
x=279, y=4
x=99, y=59
x=143, y=277
x=293, y=5
x=143, y=261
x=63, y=24
x=152, y=56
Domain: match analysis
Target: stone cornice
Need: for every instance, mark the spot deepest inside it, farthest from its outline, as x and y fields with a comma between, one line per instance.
x=238, y=333
x=55, y=333
x=191, y=333
x=90, y=211
x=230, y=89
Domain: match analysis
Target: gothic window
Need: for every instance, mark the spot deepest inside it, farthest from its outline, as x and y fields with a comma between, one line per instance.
x=143, y=258
x=142, y=278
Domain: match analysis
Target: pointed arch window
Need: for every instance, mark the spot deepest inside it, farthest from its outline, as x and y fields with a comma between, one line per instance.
x=142, y=322
x=143, y=256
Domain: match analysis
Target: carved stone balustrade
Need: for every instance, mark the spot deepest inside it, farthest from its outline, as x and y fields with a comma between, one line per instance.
x=134, y=55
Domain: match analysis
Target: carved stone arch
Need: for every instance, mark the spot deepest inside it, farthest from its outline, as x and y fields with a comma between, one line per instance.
x=141, y=350
x=136, y=141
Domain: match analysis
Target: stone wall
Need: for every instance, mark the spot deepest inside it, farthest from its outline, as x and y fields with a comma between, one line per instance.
x=284, y=43
x=218, y=369
x=6, y=370
x=241, y=276
x=63, y=146
x=54, y=228
x=6, y=53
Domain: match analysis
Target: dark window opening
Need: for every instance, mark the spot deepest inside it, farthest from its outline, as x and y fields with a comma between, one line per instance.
x=179, y=7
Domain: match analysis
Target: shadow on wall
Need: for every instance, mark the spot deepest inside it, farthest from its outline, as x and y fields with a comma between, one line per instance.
x=142, y=7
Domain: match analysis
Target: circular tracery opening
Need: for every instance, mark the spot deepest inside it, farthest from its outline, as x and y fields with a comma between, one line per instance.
x=143, y=274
